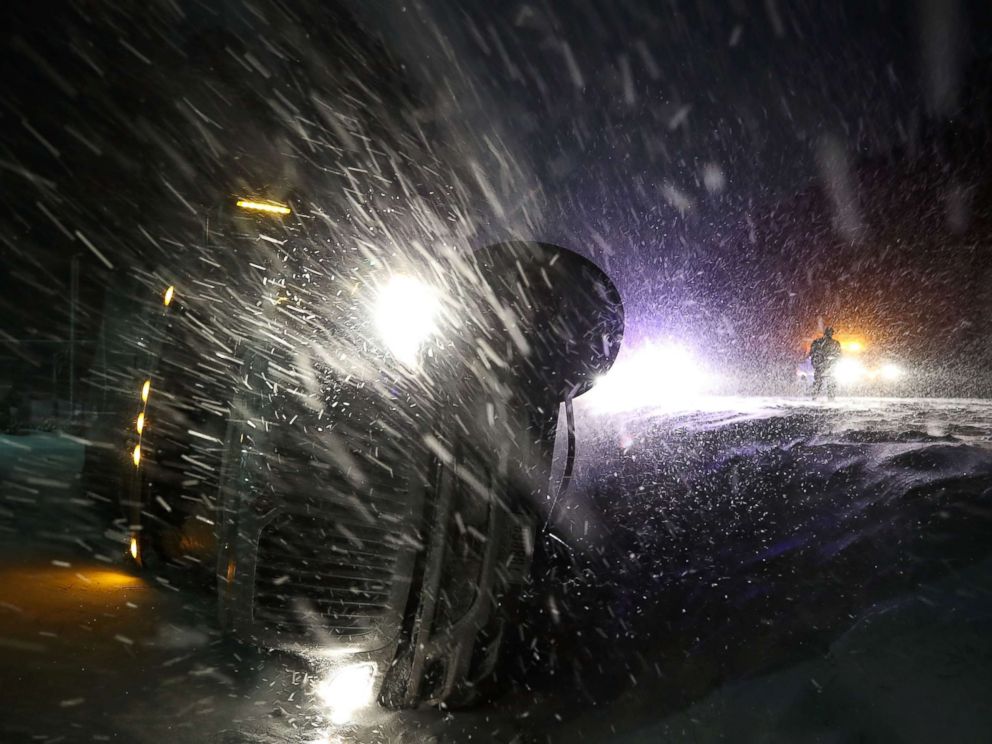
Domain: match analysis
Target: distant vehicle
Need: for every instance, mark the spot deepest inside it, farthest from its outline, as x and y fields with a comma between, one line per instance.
x=860, y=369
x=357, y=459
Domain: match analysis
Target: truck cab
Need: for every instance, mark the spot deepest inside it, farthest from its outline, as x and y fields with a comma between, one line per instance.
x=357, y=457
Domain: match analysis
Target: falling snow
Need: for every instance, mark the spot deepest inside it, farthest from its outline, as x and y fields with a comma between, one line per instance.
x=374, y=372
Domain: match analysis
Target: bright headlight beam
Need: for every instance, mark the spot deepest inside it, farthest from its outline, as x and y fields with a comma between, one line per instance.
x=849, y=371
x=891, y=372
x=267, y=207
x=406, y=316
x=347, y=690
x=654, y=375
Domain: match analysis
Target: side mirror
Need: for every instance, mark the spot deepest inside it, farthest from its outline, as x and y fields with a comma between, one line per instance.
x=566, y=310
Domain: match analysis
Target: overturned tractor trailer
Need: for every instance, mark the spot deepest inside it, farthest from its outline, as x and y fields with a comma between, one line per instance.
x=357, y=458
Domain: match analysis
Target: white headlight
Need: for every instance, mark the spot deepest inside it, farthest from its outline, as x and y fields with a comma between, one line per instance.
x=891, y=372
x=346, y=690
x=663, y=375
x=849, y=371
x=405, y=316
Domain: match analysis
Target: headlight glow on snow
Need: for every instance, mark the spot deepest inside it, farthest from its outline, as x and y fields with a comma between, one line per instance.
x=653, y=375
x=891, y=372
x=265, y=207
x=405, y=316
x=849, y=371
x=347, y=690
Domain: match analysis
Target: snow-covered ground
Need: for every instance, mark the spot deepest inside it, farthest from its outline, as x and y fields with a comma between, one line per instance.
x=836, y=542
x=739, y=460
x=737, y=569
x=969, y=419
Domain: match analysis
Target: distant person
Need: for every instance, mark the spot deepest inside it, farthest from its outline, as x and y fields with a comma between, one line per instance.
x=824, y=353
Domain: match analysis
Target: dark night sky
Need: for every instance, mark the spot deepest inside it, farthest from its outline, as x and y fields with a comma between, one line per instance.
x=596, y=97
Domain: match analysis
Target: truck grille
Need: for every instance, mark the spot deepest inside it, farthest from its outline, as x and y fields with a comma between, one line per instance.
x=327, y=577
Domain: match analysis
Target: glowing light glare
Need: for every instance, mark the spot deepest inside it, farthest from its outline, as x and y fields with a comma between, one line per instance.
x=140, y=425
x=134, y=547
x=145, y=389
x=651, y=376
x=849, y=371
x=405, y=316
x=136, y=455
x=852, y=347
x=347, y=690
x=323, y=737
x=167, y=296
x=266, y=207
x=891, y=372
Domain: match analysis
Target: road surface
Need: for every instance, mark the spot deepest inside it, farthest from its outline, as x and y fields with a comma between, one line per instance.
x=745, y=569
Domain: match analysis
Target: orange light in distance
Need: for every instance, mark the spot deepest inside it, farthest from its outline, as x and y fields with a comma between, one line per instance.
x=145, y=389
x=134, y=547
x=136, y=455
x=849, y=343
x=140, y=426
x=167, y=297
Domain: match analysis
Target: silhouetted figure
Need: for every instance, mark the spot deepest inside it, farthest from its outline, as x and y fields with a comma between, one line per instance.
x=823, y=353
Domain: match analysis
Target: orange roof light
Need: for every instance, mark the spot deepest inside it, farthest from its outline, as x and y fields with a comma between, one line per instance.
x=850, y=344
